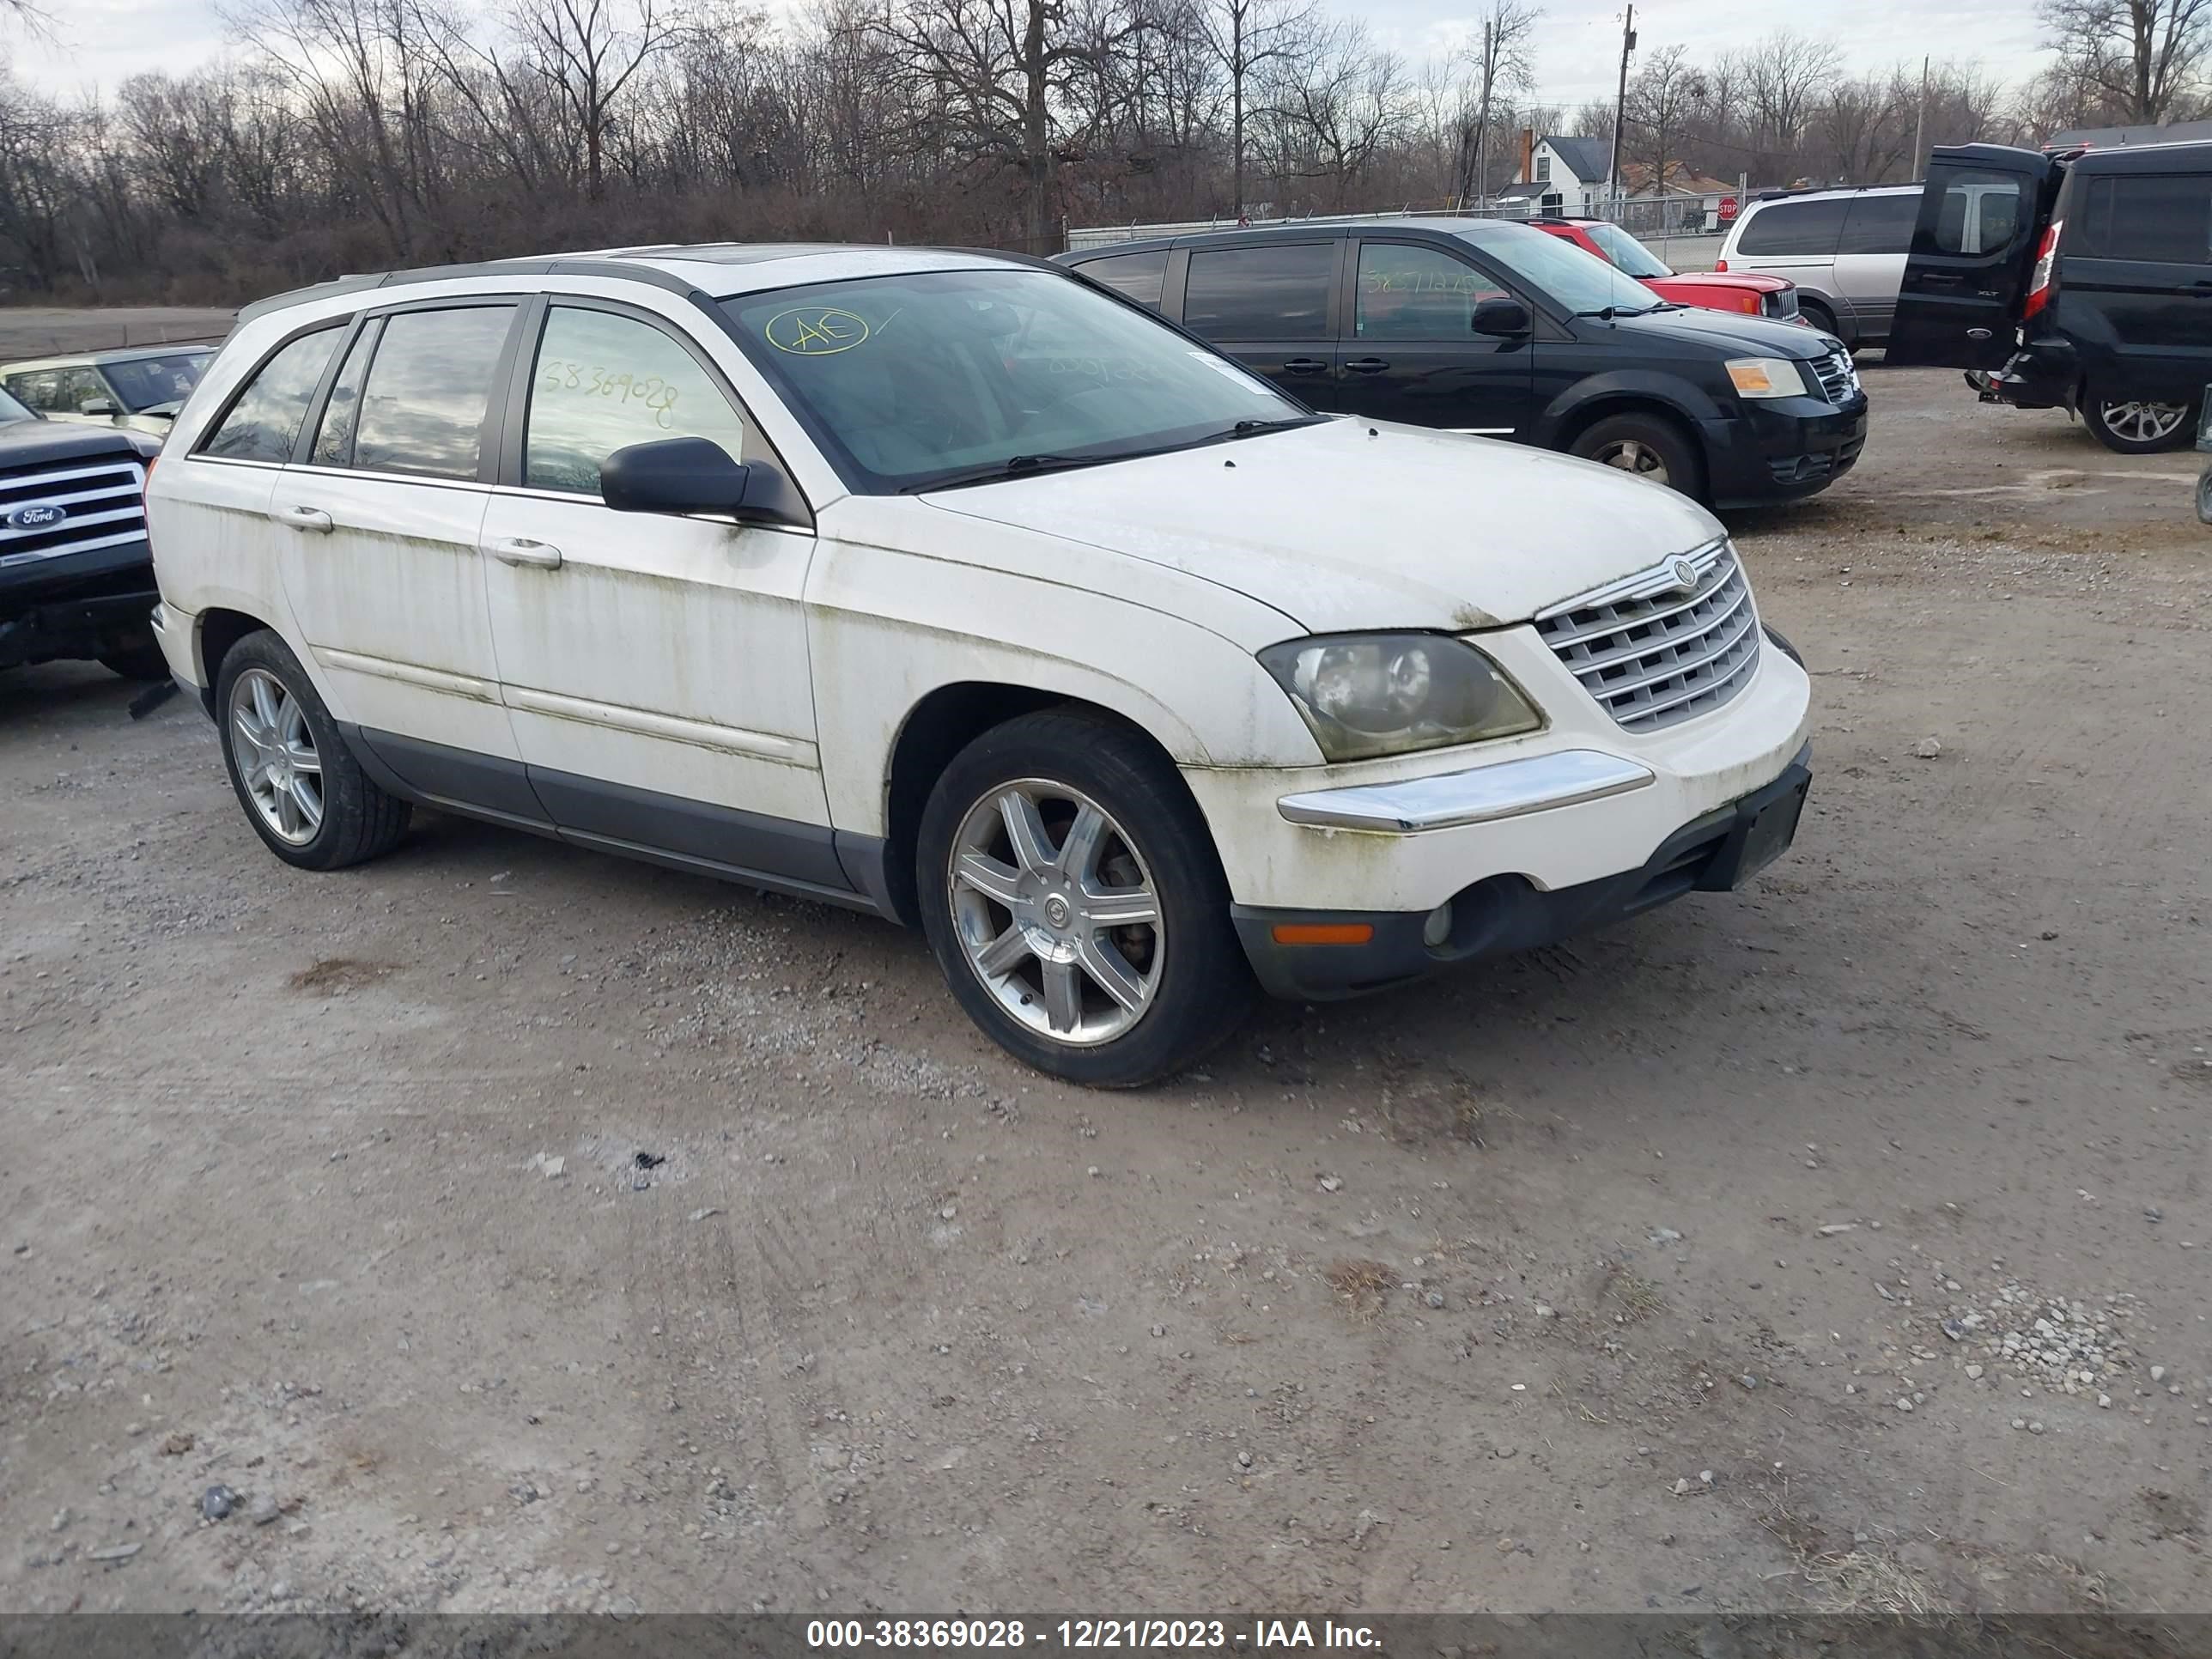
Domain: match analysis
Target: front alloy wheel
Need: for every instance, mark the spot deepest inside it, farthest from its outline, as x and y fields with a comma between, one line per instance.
x=275, y=753
x=1632, y=455
x=1055, y=911
x=1075, y=902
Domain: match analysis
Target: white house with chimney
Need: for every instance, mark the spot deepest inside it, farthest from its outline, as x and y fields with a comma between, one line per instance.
x=1561, y=174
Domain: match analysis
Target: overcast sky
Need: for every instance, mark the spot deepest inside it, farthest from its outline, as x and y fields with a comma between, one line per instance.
x=102, y=41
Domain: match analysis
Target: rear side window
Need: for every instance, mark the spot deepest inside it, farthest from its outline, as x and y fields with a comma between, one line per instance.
x=1278, y=292
x=60, y=391
x=1805, y=229
x=603, y=382
x=2163, y=219
x=334, y=440
x=264, y=424
x=423, y=407
x=1141, y=276
x=1979, y=212
x=1879, y=224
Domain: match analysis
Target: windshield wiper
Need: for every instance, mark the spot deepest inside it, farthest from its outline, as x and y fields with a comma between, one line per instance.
x=1607, y=314
x=1247, y=428
x=1014, y=466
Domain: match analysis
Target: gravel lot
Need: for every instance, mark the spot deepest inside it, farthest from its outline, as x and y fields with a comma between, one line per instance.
x=1840, y=1243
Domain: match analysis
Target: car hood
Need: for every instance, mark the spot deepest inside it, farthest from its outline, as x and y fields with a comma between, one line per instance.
x=1741, y=280
x=1733, y=332
x=1351, y=523
x=23, y=441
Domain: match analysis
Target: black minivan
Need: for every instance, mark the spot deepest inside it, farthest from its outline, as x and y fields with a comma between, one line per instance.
x=1499, y=330
x=2080, y=279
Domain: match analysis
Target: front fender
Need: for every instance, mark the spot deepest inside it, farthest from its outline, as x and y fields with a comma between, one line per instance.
x=1638, y=385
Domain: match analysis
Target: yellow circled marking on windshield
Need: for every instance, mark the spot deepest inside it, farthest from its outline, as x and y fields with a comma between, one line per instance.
x=815, y=331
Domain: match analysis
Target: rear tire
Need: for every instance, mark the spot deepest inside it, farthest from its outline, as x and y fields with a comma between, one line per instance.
x=2130, y=426
x=303, y=792
x=1035, y=827
x=1649, y=446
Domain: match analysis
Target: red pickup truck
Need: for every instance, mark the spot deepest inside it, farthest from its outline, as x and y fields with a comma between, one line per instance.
x=1740, y=291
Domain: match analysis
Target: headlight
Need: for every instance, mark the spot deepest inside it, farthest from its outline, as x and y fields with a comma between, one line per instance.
x=1385, y=694
x=1765, y=377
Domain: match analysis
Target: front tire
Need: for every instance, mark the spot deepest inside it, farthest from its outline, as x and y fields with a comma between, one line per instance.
x=2135, y=426
x=303, y=792
x=1647, y=447
x=1073, y=897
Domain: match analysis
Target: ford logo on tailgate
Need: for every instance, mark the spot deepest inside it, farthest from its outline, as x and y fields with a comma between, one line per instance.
x=37, y=516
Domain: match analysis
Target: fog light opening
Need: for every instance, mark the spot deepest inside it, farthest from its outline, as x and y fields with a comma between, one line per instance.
x=1436, y=928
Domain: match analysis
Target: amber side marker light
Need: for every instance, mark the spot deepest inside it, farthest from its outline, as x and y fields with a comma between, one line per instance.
x=1323, y=932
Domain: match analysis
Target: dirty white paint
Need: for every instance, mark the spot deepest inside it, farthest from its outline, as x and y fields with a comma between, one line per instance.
x=774, y=669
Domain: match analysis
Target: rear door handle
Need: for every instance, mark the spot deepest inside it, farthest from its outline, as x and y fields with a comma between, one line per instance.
x=304, y=517
x=520, y=550
x=1368, y=365
x=1304, y=366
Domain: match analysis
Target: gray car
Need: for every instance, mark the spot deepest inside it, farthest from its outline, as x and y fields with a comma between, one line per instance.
x=1844, y=248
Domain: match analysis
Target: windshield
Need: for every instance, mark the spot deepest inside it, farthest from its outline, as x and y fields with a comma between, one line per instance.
x=12, y=411
x=1626, y=252
x=935, y=377
x=1557, y=269
x=144, y=383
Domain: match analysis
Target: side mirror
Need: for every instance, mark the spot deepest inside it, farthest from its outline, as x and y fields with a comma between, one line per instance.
x=103, y=407
x=696, y=475
x=1501, y=316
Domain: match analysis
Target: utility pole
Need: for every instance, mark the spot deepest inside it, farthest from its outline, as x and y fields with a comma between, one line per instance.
x=1620, y=106
x=1920, y=126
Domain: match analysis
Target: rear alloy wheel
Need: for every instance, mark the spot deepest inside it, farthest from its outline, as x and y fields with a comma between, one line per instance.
x=2134, y=426
x=303, y=792
x=1075, y=904
x=2205, y=495
x=1650, y=446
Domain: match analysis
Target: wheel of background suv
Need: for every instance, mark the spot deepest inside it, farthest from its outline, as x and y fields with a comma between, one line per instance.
x=1649, y=446
x=303, y=792
x=142, y=660
x=1074, y=901
x=1817, y=313
x=2205, y=495
x=2132, y=426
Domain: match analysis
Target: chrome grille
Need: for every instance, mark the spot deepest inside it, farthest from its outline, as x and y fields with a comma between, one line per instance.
x=1655, y=662
x=1782, y=303
x=100, y=502
x=1839, y=380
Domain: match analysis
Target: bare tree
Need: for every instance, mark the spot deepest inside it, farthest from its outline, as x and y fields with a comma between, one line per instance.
x=1784, y=78
x=1661, y=98
x=2142, y=58
x=1501, y=58
x=1249, y=38
x=1332, y=109
x=585, y=52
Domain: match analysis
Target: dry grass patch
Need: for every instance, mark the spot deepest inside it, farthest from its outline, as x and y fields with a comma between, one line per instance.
x=1363, y=1286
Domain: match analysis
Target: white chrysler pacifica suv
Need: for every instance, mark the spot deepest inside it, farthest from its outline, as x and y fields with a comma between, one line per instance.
x=958, y=589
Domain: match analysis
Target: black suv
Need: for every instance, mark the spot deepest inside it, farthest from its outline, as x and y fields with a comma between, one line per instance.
x=76, y=579
x=2080, y=279
x=1504, y=332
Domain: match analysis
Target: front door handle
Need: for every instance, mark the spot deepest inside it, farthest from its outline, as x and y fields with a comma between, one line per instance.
x=304, y=517
x=520, y=550
x=1304, y=366
x=1368, y=365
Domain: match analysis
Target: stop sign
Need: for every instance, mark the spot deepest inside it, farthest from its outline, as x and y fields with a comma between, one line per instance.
x=1728, y=207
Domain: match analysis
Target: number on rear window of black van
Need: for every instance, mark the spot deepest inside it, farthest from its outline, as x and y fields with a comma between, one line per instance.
x=264, y=424
x=1799, y=229
x=2164, y=218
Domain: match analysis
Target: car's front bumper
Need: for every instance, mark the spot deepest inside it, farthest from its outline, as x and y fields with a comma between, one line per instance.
x=74, y=605
x=1781, y=449
x=1584, y=801
x=1372, y=950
